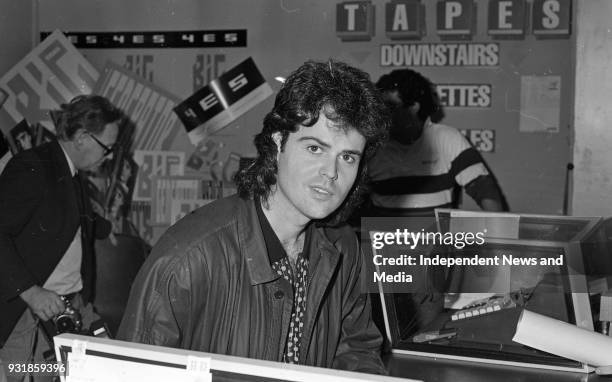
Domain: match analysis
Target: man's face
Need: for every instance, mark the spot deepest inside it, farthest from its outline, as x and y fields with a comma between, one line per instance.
x=406, y=127
x=316, y=169
x=93, y=152
x=25, y=140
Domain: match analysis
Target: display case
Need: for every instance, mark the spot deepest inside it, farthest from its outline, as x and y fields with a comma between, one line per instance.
x=96, y=359
x=557, y=266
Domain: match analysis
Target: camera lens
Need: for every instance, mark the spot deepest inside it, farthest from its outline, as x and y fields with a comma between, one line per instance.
x=65, y=324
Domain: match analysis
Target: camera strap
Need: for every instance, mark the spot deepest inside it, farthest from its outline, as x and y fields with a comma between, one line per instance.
x=49, y=331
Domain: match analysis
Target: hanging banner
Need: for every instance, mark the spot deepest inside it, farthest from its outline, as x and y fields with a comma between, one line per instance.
x=148, y=106
x=225, y=38
x=51, y=74
x=223, y=100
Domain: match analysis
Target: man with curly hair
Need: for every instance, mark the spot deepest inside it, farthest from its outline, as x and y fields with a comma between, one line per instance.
x=272, y=273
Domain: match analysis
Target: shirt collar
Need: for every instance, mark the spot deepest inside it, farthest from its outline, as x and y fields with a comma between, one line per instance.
x=275, y=249
x=73, y=169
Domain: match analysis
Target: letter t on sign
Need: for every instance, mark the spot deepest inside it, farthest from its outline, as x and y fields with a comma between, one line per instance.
x=355, y=20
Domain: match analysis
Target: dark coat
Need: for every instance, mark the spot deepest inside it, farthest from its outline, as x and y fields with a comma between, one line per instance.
x=39, y=216
x=208, y=286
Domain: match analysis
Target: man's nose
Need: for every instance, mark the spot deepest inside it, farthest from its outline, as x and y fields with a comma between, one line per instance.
x=329, y=169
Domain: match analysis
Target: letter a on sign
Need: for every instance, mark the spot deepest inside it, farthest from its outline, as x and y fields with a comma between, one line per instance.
x=403, y=19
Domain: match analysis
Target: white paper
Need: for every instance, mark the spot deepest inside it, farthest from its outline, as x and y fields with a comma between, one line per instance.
x=540, y=104
x=563, y=339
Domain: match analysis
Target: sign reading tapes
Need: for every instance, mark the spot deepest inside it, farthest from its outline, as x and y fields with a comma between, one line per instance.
x=51, y=74
x=223, y=100
x=148, y=106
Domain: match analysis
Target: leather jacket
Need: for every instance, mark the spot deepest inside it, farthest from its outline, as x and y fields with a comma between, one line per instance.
x=208, y=286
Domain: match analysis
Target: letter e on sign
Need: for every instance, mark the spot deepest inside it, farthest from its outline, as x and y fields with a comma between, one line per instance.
x=209, y=101
x=507, y=17
x=552, y=17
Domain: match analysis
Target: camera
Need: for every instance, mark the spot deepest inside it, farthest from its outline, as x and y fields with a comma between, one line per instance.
x=69, y=321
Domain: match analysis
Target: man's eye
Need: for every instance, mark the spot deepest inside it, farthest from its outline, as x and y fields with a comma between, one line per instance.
x=314, y=149
x=348, y=158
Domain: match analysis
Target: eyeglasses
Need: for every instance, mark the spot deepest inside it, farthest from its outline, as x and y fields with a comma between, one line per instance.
x=107, y=149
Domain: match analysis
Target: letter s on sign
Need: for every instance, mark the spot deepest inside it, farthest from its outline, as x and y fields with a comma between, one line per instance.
x=238, y=82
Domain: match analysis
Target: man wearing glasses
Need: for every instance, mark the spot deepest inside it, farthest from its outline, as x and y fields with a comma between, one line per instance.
x=47, y=227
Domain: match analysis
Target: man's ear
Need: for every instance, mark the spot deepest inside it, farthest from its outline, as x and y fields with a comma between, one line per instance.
x=79, y=138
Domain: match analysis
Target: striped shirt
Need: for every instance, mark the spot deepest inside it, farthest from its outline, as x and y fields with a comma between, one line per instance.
x=423, y=175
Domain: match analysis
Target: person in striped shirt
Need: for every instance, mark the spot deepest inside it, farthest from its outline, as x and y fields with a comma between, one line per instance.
x=425, y=164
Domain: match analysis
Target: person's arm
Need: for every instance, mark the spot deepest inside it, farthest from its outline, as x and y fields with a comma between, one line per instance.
x=159, y=308
x=21, y=190
x=486, y=192
x=360, y=341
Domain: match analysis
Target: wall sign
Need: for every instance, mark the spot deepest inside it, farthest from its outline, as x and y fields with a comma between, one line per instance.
x=455, y=18
x=507, y=17
x=465, y=95
x=223, y=100
x=403, y=19
x=51, y=74
x=164, y=39
x=153, y=163
x=483, y=140
x=355, y=20
x=552, y=17
x=455, y=54
x=148, y=106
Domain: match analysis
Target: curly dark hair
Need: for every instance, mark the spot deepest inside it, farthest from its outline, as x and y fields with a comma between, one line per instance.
x=414, y=87
x=89, y=112
x=346, y=95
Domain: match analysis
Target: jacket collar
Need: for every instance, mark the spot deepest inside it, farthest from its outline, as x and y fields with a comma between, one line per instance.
x=253, y=247
x=59, y=160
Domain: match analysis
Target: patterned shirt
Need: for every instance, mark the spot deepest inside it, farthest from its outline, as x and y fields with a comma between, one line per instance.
x=297, y=277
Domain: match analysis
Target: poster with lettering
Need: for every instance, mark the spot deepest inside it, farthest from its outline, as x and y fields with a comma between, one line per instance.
x=148, y=106
x=153, y=163
x=223, y=100
x=51, y=74
x=166, y=189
